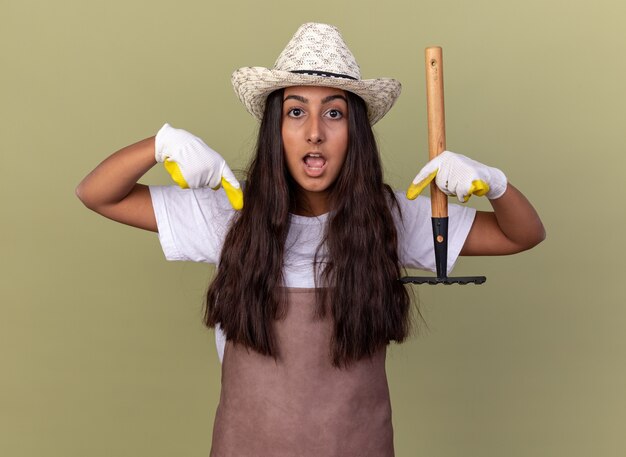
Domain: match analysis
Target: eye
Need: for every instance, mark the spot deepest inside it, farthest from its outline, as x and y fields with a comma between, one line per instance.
x=294, y=112
x=334, y=114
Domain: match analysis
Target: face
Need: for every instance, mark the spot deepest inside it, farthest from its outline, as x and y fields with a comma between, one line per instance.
x=315, y=138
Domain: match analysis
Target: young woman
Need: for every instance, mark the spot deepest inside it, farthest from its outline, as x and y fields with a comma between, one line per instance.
x=306, y=297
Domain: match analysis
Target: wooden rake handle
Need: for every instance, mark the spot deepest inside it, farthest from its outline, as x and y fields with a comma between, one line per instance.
x=439, y=200
x=436, y=122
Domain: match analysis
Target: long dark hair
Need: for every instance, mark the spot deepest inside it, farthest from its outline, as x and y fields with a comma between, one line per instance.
x=359, y=281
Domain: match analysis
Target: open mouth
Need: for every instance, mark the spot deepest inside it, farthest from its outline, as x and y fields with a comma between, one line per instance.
x=314, y=161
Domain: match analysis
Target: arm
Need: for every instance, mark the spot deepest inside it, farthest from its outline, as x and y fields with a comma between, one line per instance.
x=111, y=189
x=513, y=226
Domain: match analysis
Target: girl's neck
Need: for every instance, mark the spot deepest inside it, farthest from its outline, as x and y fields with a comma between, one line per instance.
x=311, y=204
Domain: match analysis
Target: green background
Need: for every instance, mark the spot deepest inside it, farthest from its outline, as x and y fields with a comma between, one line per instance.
x=102, y=349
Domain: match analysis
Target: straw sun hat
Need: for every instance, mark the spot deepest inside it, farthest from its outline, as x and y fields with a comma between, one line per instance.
x=315, y=56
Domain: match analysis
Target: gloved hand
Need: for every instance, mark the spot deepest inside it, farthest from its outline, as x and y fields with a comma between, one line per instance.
x=461, y=176
x=192, y=164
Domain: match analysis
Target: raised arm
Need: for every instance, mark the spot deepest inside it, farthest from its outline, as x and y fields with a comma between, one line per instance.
x=513, y=226
x=111, y=189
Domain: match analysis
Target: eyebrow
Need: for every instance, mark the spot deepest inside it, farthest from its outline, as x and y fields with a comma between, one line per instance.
x=324, y=100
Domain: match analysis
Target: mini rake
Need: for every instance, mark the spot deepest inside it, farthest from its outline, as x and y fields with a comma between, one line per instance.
x=439, y=200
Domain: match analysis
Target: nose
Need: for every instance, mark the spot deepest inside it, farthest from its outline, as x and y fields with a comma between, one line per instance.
x=315, y=133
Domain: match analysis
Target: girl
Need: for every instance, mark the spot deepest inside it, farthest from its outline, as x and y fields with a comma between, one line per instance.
x=306, y=296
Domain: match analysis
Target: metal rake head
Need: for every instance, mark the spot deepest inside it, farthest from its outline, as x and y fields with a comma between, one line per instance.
x=443, y=280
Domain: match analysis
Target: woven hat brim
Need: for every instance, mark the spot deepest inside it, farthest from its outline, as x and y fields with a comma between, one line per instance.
x=254, y=84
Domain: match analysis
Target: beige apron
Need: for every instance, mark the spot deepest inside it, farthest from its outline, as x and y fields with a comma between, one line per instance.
x=301, y=405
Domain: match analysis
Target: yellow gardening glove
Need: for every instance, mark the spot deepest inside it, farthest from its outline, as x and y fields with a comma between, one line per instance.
x=192, y=164
x=458, y=175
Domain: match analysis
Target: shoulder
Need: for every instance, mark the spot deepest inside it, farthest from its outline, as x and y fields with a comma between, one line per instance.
x=192, y=223
x=203, y=199
x=404, y=209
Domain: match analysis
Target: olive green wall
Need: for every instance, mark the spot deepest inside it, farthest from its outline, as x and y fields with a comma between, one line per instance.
x=102, y=350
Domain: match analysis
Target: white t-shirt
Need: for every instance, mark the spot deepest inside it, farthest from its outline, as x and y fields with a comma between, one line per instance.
x=193, y=223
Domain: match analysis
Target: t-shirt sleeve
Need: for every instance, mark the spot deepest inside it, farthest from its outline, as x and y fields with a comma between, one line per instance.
x=192, y=223
x=415, y=233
